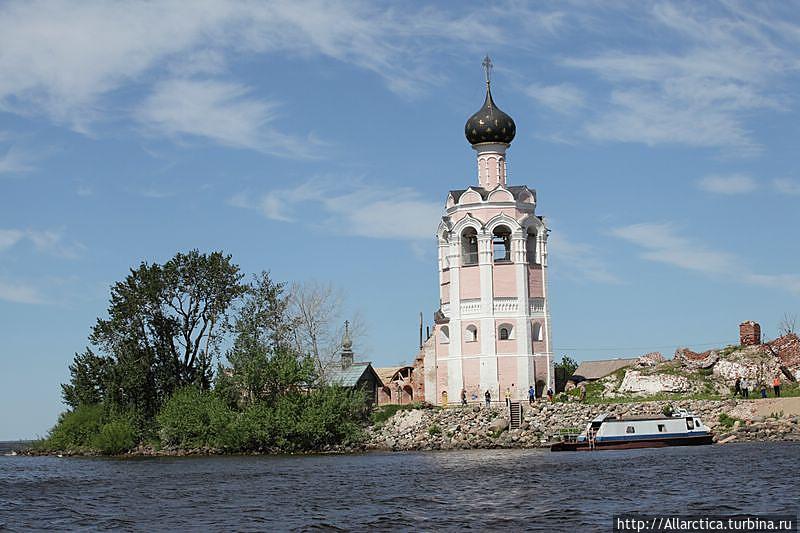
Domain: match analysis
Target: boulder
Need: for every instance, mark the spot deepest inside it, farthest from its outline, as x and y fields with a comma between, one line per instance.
x=498, y=424
x=638, y=383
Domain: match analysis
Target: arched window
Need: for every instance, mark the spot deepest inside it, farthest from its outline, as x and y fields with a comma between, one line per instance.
x=444, y=335
x=471, y=334
x=505, y=332
x=537, y=332
x=531, y=246
x=469, y=247
x=501, y=244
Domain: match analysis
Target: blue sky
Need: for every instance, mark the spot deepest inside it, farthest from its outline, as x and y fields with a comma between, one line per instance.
x=661, y=138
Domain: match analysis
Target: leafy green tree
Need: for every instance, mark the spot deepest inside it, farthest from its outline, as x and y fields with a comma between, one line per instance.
x=163, y=330
x=263, y=363
x=568, y=364
x=88, y=379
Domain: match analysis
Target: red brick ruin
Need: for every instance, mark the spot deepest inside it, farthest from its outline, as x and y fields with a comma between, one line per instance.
x=749, y=333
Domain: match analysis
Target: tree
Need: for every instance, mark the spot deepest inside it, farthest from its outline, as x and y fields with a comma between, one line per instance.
x=264, y=361
x=319, y=328
x=788, y=324
x=568, y=364
x=162, y=332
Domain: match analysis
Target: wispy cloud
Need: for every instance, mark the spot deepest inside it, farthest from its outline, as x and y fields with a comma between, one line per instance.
x=579, y=261
x=16, y=292
x=730, y=184
x=220, y=111
x=350, y=208
x=15, y=161
x=716, y=67
x=64, y=59
x=48, y=241
x=787, y=186
x=662, y=243
x=563, y=98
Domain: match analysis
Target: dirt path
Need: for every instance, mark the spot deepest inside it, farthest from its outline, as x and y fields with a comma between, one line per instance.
x=767, y=406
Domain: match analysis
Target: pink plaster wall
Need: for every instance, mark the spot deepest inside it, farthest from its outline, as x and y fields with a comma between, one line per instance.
x=470, y=348
x=538, y=346
x=469, y=283
x=505, y=280
x=535, y=289
x=471, y=369
x=507, y=370
x=444, y=292
x=441, y=381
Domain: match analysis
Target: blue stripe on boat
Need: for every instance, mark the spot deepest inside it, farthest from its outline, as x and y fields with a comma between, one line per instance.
x=652, y=436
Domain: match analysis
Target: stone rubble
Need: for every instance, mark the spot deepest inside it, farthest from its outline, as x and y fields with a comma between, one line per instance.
x=473, y=427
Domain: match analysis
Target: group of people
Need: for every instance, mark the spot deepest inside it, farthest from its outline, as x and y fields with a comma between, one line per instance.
x=488, y=396
x=741, y=387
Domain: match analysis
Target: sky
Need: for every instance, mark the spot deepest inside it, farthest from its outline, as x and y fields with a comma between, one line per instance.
x=318, y=140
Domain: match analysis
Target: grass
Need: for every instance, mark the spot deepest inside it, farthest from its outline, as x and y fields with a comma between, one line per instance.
x=727, y=421
x=385, y=412
x=434, y=430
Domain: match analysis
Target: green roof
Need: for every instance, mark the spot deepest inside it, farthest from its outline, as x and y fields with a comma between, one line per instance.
x=349, y=376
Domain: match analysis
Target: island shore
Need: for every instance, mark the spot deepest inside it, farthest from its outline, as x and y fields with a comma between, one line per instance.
x=478, y=427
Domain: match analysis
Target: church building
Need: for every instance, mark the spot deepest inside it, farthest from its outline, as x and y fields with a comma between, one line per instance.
x=492, y=331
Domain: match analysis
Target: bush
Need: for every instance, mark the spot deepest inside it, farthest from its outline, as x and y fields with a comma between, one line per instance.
x=115, y=437
x=193, y=418
x=434, y=430
x=76, y=429
x=385, y=412
x=726, y=420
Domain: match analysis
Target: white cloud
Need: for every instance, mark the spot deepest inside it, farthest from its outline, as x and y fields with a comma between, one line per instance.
x=351, y=208
x=564, y=98
x=578, y=261
x=48, y=241
x=221, y=111
x=19, y=293
x=662, y=243
x=787, y=186
x=730, y=184
x=15, y=161
x=698, y=87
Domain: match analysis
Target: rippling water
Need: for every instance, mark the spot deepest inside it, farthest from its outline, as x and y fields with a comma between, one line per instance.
x=480, y=489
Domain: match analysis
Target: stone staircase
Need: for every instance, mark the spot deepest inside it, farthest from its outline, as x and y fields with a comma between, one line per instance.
x=514, y=415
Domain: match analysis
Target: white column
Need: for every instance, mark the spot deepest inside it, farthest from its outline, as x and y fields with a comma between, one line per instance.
x=488, y=359
x=547, y=340
x=454, y=369
x=523, y=326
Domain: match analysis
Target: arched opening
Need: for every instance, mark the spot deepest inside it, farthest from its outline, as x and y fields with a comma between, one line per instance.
x=539, y=388
x=444, y=335
x=501, y=244
x=536, y=332
x=469, y=247
x=505, y=332
x=408, y=394
x=531, y=246
x=471, y=334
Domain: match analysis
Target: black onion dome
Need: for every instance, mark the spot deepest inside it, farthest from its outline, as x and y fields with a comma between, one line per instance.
x=489, y=124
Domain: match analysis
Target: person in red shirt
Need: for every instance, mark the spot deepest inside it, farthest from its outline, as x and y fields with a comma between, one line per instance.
x=776, y=386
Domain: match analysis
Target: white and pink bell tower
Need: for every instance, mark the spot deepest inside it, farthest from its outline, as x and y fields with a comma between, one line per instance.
x=492, y=331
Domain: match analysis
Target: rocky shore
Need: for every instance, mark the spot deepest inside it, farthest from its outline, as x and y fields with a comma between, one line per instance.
x=479, y=427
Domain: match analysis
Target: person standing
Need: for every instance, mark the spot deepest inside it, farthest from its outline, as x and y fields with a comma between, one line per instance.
x=464, y=397
x=531, y=395
x=508, y=397
x=488, y=397
x=763, y=390
x=745, y=385
x=550, y=394
x=737, y=386
x=776, y=386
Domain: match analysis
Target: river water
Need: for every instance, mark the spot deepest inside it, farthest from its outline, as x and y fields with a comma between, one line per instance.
x=478, y=489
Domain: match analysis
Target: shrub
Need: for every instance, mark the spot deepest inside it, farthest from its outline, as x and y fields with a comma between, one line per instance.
x=434, y=430
x=726, y=420
x=116, y=437
x=76, y=429
x=385, y=412
x=193, y=418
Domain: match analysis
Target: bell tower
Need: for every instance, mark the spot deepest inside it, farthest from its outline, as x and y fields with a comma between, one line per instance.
x=492, y=330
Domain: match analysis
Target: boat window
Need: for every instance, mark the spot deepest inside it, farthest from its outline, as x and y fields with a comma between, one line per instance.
x=689, y=423
x=697, y=422
x=630, y=429
x=662, y=428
